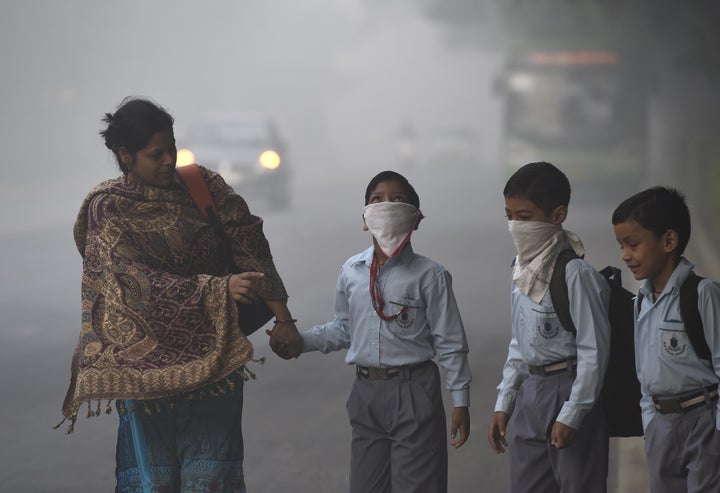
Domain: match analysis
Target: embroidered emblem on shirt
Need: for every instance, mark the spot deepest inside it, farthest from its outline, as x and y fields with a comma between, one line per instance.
x=674, y=343
x=547, y=330
x=405, y=319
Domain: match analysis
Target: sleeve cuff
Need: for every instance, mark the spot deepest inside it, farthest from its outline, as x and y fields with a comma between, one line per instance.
x=505, y=402
x=307, y=342
x=571, y=416
x=461, y=397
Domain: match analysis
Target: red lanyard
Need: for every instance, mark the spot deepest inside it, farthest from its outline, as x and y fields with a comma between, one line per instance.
x=375, y=296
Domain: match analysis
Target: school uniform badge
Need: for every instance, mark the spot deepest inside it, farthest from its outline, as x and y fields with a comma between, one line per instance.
x=548, y=330
x=674, y=344
x=405, y=320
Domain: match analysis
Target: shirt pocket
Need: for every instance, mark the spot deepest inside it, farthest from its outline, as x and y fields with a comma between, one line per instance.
x=674, y=342
x=546, y=328
x=411, y=316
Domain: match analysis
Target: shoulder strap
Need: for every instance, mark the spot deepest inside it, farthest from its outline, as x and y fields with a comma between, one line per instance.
x=612, y=274
x=691, y=315
x=559, y=290
x=195, y=182
x=638, y=302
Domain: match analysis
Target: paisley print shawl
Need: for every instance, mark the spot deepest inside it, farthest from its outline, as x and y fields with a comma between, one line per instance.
x=157, y=320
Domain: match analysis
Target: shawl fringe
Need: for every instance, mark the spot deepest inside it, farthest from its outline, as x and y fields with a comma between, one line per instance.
x=158, y=406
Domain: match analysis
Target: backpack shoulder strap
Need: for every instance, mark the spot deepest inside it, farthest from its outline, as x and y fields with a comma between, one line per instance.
x=691, y=315
x=638, y=302
x=559, y=290
x=612, y=274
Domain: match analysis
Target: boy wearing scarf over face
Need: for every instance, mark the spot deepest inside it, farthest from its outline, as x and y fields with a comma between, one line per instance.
x=394, y=312
x=551, y=380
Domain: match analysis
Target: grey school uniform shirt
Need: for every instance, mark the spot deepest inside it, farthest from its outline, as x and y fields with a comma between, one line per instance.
x=431, y=327
x=666, y=362
x=538, y=338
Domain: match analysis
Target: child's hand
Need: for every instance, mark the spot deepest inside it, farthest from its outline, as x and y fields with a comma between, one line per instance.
x=562, y=435
x=461, y=423
x=496, y=431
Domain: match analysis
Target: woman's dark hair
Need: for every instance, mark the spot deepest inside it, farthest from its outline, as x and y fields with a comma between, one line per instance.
x=133, y=125
x=392, y=176
x=542, y=184
x=657, y=209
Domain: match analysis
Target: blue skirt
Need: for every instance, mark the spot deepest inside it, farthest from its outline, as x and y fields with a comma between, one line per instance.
x=182, y=444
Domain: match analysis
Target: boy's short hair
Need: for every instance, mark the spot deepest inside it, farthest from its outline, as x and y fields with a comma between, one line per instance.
x=541, y=183
x=392, y=176
x=657, y=209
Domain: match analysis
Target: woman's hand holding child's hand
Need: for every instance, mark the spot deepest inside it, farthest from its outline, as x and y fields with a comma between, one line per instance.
x=285, y=340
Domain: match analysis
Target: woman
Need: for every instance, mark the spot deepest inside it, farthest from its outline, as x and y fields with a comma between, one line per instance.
x=159, y=316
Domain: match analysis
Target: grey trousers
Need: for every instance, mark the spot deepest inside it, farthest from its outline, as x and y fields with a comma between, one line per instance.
x=538, y=467
x=683, y=452
x=399, y=441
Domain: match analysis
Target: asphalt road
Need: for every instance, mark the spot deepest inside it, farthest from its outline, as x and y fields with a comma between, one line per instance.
x=296, y=430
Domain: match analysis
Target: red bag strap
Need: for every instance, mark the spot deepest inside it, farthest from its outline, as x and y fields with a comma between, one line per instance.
x=195, y=182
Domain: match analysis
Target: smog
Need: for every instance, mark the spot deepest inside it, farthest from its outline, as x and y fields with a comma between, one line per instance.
x=455, y=95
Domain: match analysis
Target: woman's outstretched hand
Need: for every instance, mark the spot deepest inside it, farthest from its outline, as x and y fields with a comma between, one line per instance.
x=240, y=286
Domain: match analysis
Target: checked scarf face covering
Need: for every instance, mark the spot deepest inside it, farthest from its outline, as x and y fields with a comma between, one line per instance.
x=538, y=244
x=391, y=224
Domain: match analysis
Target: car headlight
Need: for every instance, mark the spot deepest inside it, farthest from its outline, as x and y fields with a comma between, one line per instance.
x=185, y=157
x=270, y=159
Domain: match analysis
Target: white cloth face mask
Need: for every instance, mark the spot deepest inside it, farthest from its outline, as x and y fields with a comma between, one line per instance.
x=538, y=244
x=391, y=224
x=532, y=238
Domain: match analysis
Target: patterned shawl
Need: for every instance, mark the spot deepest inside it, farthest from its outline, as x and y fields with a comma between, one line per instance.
x=157, y=319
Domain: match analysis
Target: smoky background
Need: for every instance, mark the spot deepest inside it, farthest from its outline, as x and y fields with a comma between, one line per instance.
x=339, y=77
x=355, y=87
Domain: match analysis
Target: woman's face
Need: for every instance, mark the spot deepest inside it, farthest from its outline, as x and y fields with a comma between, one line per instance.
x=154, y=164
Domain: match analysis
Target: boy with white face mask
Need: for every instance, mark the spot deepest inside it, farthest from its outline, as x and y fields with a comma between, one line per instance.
x=551, y=380
x=395, y=312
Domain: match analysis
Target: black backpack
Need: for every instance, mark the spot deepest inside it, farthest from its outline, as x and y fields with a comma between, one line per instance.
x=620, y=392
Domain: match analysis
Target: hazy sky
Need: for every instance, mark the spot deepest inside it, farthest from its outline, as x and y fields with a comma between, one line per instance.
x=340, y=77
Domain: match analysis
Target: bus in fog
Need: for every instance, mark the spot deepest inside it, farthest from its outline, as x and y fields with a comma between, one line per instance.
x=583, y=110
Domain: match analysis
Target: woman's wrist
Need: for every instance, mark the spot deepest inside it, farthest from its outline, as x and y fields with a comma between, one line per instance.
x=288, y=321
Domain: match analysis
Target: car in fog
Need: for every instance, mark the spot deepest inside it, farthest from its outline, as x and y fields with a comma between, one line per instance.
x=246, y=149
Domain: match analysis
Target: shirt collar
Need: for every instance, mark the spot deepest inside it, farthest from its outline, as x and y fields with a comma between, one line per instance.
x=677, y=277
x=405, y=256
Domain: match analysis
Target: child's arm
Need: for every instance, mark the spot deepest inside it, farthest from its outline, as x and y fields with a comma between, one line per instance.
x=647, y=406
x=334, y=335
x=449, y=340
x=589, y=297
x=451, y=349
x=514, y=374
x=709, y=306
